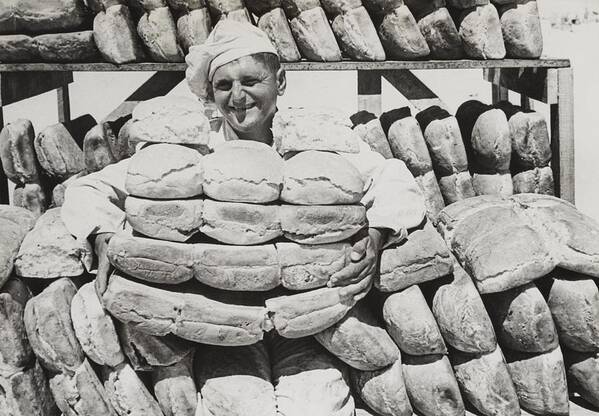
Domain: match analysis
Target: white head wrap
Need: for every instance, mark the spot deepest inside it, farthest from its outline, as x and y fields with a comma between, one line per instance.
x=228, y=41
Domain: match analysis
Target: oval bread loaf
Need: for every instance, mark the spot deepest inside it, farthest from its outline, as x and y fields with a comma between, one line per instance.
x=240, y=223
x=165, y=171
x=321, y=178
x=359, y=341
x=172, y=220
x=321, y=224
x=243, y=172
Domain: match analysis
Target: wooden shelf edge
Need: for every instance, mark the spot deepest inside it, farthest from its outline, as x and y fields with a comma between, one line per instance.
x=300, y=66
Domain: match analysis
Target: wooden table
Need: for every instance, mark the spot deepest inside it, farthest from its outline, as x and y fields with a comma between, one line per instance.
x=545, y=80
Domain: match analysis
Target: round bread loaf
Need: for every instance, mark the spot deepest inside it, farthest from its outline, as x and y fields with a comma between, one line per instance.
x=172, y=220
x=521, y=27
x=536, y=181
x=243, y=171
x=320, y=224
x=321, y=178
x=531, y=144
x=17, y=154
x=400, y=35
x=491, y=143
x=440, y=32
x=165, y=171
x=456, y=187
x=480, y=30
x=407, y=144
x=493, y=184
x=177, y=120
x=239, y=223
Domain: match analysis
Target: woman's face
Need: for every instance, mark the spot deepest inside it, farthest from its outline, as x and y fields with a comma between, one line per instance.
x=246, y=91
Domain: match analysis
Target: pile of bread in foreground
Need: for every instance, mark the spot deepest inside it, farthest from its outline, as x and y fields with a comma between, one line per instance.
x=123, y=31
x=490, y=303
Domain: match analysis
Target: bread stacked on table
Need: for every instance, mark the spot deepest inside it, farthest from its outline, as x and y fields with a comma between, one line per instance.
x=50, y=31
x=126, y=31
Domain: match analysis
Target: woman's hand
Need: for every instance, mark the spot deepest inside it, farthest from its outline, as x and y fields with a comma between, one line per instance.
x=358, y=275
x=104, y=266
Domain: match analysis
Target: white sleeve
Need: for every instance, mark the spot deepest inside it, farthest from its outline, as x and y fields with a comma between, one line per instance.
x=95, y=203
x=393, y=199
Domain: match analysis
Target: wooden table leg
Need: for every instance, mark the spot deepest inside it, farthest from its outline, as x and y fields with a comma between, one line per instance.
x=562, y=136
x=64, y=105
x=499, y=93
x=369, y=91
x=4, y=196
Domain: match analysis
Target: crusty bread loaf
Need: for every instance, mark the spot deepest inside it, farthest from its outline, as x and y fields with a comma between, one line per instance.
x=480, y=30
x=172, y=220
x=574, y=304
x=493, y=184
x=354, y=30
x=431, y=385
x=540, y=381
x=407, y=142
x=440, y=33
x=486, y=134
x=456, y=187
x=321, y=178
x=521, y=27
x=50, y=329
x=573, y=235
x=67, y=47
x=193, y=28
x=423, y=257
x=15, y=223
x=17, y=48
x=221, y=9
x=50, y=251
x=310, y=28
x=151, y=260
x=411, y=324
x=371, y=132
x=444, y=140
x=383, y=390
x=171, y=119
x=321, y=224
x=19, y=161
x=116, y=37
x=433, y=198
x=274, y=23
x=15, y=351
x=97, y=149
x=26, y=393
x=81, y=393
x=94, y=328
x=239, y=223
x=308, y=380
x=253, y=268
x=531, y=146
x=310, y=266
x=399, y=33
x=127, y=393
x=523, y=320
x=536, y=181
x=175, y=389
x=158, y=32
x=190, y=316
x=582, y=370
x=299, y=129
x=165, y=171
x=308, y=313
x=486, y=383
x=359, y=341
x=58, y=153
x=479, y=228
x=235, y=381
x=243, y=172
x=145, y=352
x=32, y=16
x=461, y=315
x=31, y=197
